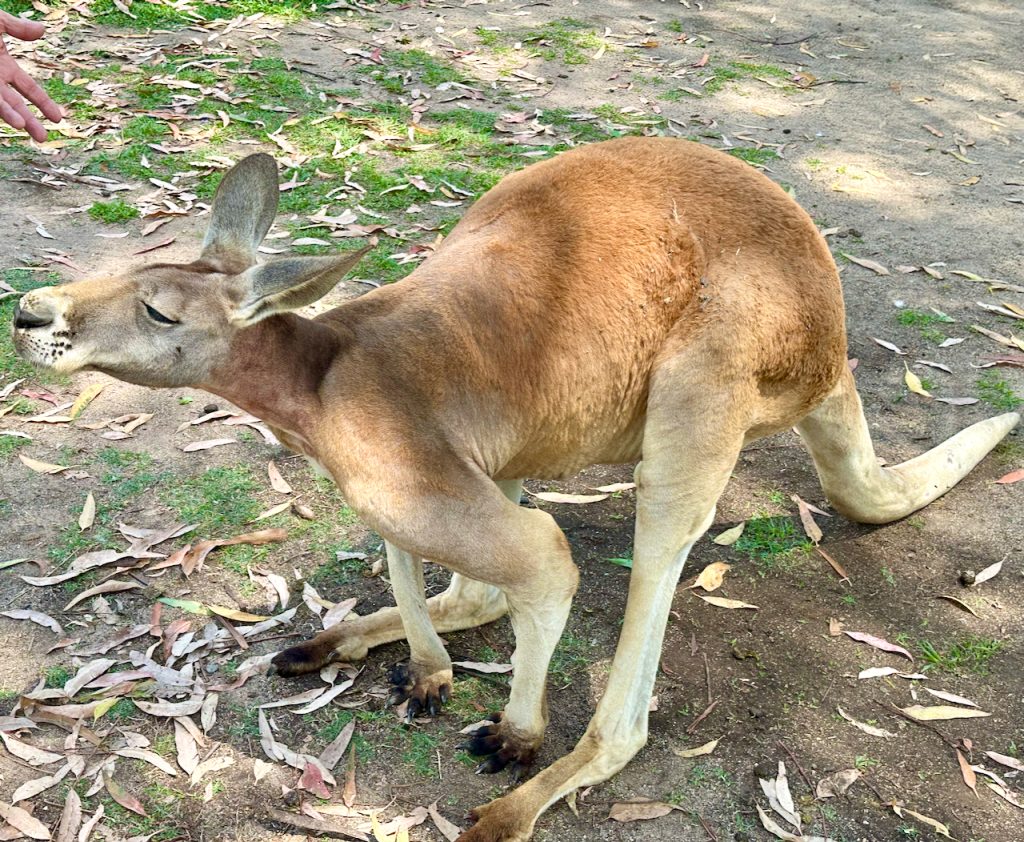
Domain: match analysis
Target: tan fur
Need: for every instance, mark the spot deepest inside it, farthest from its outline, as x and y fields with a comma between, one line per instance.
x=636, y=299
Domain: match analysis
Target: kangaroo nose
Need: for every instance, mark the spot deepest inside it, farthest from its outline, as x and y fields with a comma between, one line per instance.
x=25, y=319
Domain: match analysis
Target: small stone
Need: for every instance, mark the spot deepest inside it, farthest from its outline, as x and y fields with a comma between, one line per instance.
x=212, y=668
x=210, y=407
x=967, y=578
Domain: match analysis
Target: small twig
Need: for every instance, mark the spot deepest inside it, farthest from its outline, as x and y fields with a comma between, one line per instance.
x=837, y=82
x=707, y=675
x=702, y=717
x=707, y=828
x=810, y=786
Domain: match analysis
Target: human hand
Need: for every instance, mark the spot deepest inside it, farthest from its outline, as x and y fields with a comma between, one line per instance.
x=15, y=83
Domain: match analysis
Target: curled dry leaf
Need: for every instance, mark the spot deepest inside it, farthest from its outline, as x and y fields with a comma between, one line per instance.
x=699, y=751
x=207, y=445
x=879, y=643
x=958, y=602
x=273, y=510
x=837, y=783
x=639, y=810
x=312, y=781
x=777, y=792
x=863, y=726
x=615, y=486
x=212, y=764
x=186, y=708
x=722, y=602
x=335, y=750
x=123, y=797
x=110, y=586
x=730, y=536
x=914, y=383
x=811, y=529
x=1005, y=794
x=769, y=824
x=70, y=818
x=710, y=578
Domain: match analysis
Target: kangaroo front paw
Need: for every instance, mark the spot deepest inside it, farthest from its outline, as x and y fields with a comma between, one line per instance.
x=315, y=654
x=502, y=746
x=425, y=689
x=499, y=821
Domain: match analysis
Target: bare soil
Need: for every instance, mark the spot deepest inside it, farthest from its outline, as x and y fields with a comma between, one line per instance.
x=854, y=151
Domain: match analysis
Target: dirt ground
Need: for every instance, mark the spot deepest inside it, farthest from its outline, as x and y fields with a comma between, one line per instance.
x=897, y=125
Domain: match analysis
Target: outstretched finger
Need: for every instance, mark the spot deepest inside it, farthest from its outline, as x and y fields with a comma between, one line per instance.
x=24, y=30
x=29, y=121
x=34, y=93
x=8, y=114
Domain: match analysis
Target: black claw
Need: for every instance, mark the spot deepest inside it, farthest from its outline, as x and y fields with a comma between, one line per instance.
x=412, y=711
x=446, y=692
x=433, y=706
x=491, y=765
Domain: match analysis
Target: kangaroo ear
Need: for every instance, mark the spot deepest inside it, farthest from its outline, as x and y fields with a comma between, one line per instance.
x=289, y=283
x=244, y=208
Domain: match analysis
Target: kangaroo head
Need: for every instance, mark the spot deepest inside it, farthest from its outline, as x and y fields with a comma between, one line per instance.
x=168, y=324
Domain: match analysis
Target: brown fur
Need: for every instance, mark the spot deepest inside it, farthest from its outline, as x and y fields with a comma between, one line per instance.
x=636, y=299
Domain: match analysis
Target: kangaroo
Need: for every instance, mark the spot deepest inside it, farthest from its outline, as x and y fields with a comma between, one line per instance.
x=641, y=299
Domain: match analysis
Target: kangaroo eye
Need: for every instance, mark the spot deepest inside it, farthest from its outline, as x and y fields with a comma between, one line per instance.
x=157, y=316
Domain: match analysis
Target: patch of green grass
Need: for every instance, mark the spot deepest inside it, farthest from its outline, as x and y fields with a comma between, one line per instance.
x=754, y=157
x=421, y=753
x=564, y=39
x=772, y=543
x=9, y=444
x=115, y=211
x=675, y=26
x=571, y=657
x=162, y=805
x=470, y=692
x=219, y=500
x=57, y=676
x=970, y=654
x=144, y=128
x=996, y=392
x=338, y=719
x=1009, y=452
x=918, y=318
x=123, y=710
x=245, y=722
x=155, y=16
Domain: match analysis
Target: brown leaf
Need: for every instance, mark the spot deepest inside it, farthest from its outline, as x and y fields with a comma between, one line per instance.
x=1012, y=477
x=88, y=515
x=558, y=497
x=41, y=467
x=348, y=795
x=23, y=821
x=699, y=751
x=236, y=615
x=206, y=445
x=874, y=266
x=940, y=712
x=450, y=831
x=110, y=586
x=277, y=482
x=722, y=602
x=335, y=750
x=879, y=643
x=38, y=617
x=29, y=753
x=124, y=797
x=811, y=529
x=837, y=783
x=835, y=565
x=970, y=778
x=89, y=394
x=710, y=578
x=636, y=811
x=70, y=818
x=730, y=536
x=313, y=781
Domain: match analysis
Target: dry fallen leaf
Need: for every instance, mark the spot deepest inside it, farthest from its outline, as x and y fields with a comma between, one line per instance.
x=206, y=445
x=730, y=536
x=711, y=577
x=699, y=751
x=88, y=395
x=615, y=486
x=951, y=697
x=277, y=482
x=914, y=383
x=722, y=602
x=873, y=265
x=863, y=726
x=967, y=772
x=879, y=643
x=1012, y=477
x=477, y=666
x=88, y=515
x=938, y=826
x=988, y=573
x=41, y=467
x=887, y=345
x=558, y=497
x=836, y=783
x=639, y=810
x=42, y=619
x=450, y=831
x=925, y=713
x=23, y=821
x=811, y=529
